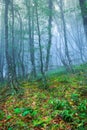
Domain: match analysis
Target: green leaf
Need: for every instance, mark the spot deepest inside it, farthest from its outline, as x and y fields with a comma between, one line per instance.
x=25, y=113
x=2, y=114
x=8, y=117
x=17, y=110
x=10, y=128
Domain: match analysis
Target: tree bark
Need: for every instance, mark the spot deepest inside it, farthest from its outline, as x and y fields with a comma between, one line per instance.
x=13, y=44
x=83, y=5
x=49, y=33
x=65, y=35
x=11, y=80
x=44, y=80
x=30, y=9
x=2, y=48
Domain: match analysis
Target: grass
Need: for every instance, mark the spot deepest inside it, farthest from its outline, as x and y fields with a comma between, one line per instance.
x=61, y=107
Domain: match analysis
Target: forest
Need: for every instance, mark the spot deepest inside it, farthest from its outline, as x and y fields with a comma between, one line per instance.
x=43, y=64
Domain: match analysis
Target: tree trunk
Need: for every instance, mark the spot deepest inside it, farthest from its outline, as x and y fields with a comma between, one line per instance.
x=83, y=5
x=39, y=40
x=49, y=33
x=21, y=49
x=65, y=35
x=11, y=81
x=2, y=49
x=13, y=46
x=44, y=80
x=31, y=37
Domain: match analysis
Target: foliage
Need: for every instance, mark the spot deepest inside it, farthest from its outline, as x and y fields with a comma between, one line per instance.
x=75, y=97
x=58, y=104
x=2, y=114
x=30, y=111
x=64, y=79
x=67, y=115
x=63, y=107
x=83, y=106
x=25, y=111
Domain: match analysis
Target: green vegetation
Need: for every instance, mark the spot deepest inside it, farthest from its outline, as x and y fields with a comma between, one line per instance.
x=61, y=107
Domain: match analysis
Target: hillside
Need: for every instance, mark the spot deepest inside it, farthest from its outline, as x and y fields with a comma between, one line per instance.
x=62, y=106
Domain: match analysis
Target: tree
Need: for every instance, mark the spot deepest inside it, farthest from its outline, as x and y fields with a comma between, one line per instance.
x=30, y=13
x=2, y=47
x=11, y=77
x=21, y=67
x=50, y=3
x=44, y=81
x=83, y=5
x=68, y=59
x=13, y=46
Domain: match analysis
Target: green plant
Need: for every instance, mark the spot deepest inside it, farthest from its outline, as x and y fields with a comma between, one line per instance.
x=64, y=79
x=10, y=128
x=75, y=97
x=17, y=110
x=2, y=114
x=38, y=123
x=29, y=111
x=25, y=111
x=81, y=126
x=8, y=117
x=57, y=104
x=67, y=115
x=83, y=106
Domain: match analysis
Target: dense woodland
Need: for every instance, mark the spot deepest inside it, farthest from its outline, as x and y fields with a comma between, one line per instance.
x=43, y=64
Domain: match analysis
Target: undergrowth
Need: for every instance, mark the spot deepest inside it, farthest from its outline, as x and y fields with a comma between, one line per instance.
x=61, y=107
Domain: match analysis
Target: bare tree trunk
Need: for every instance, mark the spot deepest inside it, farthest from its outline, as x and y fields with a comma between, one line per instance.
x=13, y=46
x=83, y=5
x=6, y=36
x=33, y=50
x=39, y=39
x=65, y=35
x=2, y=48
x=31, y=37
x=44, y=80
x=21, y=49
x=11, y=81
x=49, y=33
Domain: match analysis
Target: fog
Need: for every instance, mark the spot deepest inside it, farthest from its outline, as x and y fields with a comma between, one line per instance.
x=43, y=64
x=36, y=37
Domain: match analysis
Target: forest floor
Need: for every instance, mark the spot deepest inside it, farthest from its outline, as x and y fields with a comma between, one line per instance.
x=62, y=106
